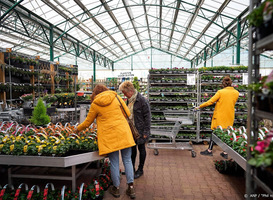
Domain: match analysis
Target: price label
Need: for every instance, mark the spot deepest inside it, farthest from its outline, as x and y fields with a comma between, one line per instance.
x=245, y=78
x=191, y=79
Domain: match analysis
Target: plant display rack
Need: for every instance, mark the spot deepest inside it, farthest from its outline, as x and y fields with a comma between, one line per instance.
x=230, y=151
x=258, y=109
x=44, y=161
x=168, y=92
x=21, y=74
x=210, y=80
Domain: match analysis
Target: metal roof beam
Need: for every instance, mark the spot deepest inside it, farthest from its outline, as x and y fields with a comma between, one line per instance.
x=43, y=27
x=217, y=43
x=195, y=13
x=74, y=24
x=9, y=10
x=80, y=4
x=116, y=22
x=160, y=22
x=174, y=22
x=127, y=8
x=222, y=7
x=147, y=21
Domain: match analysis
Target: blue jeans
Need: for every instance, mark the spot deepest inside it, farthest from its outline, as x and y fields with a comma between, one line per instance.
x=127, y=162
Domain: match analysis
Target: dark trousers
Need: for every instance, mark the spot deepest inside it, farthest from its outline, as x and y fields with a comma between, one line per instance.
x=142, y=155
x=211, y=143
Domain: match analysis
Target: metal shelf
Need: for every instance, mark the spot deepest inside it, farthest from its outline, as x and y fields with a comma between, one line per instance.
x=50, y=161
x=178, y=74
x=168, y=83
x=172, y=101
x=171, y=93
x=262, y=185
x=237, y=157
x=263, y=114
x=265, y=43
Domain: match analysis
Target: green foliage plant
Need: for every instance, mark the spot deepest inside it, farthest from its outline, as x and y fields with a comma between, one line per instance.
x=39, y=116
x=136, y=84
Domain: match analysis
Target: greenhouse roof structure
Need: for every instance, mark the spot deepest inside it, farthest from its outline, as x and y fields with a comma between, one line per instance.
x=111, y=30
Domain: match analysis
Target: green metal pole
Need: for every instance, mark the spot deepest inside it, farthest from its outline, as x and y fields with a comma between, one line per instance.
x=131, y=63
x=211, y=61
x=151, y=59
x=233, y=55
x=10, y=9
x=205, y=57
x=171, y=61
x=94, y=67
x=238, y=50
x=51, y=43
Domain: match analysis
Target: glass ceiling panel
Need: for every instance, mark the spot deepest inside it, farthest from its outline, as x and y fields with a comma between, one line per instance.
x=136, y=30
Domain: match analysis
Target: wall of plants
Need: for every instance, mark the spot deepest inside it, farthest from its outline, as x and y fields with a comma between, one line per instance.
x=210, y=82
x=168, y=92
x=24, y=74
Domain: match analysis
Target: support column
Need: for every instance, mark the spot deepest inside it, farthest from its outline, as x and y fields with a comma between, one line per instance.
x=2, y=80
x=151, y=59
x=132, y=63
x=52, y=72
x=238, y=42
x=171, y=61
x=205, y=58
x=94, y=67
x=51, y=44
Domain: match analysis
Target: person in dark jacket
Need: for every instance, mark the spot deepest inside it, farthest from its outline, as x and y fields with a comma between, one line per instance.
x=141, y=116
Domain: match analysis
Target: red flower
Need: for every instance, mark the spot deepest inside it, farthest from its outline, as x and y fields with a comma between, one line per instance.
x=29, y=195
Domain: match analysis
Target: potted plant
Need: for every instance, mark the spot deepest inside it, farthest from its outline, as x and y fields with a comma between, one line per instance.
x=261, y=18
x=27, y=97
x=39, y=116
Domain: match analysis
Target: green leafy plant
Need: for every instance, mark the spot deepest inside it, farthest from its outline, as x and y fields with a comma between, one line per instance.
x=136, y=83
x=39, y=116
x=255, y=18
x=26, y=97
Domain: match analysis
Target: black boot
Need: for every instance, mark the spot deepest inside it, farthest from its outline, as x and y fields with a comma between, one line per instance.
x=138, y=173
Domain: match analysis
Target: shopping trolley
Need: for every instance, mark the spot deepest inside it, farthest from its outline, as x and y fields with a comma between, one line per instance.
x=185, y=118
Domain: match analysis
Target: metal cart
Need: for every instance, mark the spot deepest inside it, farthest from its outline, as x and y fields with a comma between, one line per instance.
x=185, y=118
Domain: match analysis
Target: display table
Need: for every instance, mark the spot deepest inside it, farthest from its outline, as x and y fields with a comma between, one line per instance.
x=67, y=114
x=47, y=161
x=233, y=154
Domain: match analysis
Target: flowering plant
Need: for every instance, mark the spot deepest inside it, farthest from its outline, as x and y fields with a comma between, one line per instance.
x=263, y=152
x=26, y=97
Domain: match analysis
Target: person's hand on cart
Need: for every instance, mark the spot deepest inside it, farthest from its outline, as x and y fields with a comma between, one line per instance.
x=197, y=108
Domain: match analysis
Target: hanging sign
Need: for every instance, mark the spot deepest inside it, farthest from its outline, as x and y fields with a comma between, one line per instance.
x=125, y=74
x=245, y=78
x=191, y=79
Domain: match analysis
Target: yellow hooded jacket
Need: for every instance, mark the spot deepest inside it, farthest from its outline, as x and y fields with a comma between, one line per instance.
x=113, y=130
x=224, y=111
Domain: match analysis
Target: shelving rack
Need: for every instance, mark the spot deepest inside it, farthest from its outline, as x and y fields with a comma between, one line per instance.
x=206, y=113
x=256, y=48
x=168, y=91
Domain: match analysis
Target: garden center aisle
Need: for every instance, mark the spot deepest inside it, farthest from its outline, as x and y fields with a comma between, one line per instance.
x=175, y=175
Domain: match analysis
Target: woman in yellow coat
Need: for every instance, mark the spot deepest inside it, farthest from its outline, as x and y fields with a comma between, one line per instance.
x=113, y=134
x=224, y=111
